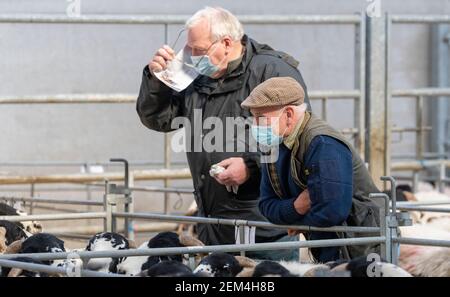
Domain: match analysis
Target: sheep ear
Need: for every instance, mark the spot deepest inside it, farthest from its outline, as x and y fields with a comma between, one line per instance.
x=245, y=262
x=409, y=196
x=188, y=240
x=15, y=272
x=246, y=272
x=3, y=246
x=132, y=244
x=14, y=248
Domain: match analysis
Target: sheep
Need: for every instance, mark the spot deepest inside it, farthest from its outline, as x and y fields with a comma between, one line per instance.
x=12, y=232
x=168, y=269
x=362, y=267
x=32, y=227
x=270, y=269
x=219, y=264
x=425, y=260
x=42, y=243
x=3, y=245
x=223, y=264
x=107, y=241
x=134, y=265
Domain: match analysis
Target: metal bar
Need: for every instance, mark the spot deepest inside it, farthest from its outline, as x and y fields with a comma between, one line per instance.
x=55, y=217
x=53, y=270
x=174, y=19
x=238, y=222
x=442, y=178
x=419, y=124
x=324, y=108
x=431, y=92
x=152, y=174
x=419, y=165
x=387, y=102
x=228, y=248
x=163, y=190
x=167, y=138
x=430, y=209
x=411, y=129
x=91, y=163
x=425, y=242
x=376, y=98
x=404, y=203
x=32, y=196
x=69, y=189
x=360, y=83
x=131, y=98
x=53, y=201
x=420, y=19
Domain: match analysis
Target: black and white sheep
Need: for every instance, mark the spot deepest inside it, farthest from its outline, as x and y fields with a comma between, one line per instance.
x=32, y=227
x=134, y=265
x=168, y=269
x=12, y=232
x=106, y=241
x=219, y=264
x=43, y=243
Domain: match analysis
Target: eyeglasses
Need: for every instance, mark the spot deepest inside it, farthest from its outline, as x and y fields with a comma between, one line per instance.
x=189, y=49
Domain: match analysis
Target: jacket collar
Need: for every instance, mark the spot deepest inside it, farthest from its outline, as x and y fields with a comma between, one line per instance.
x=292, y=140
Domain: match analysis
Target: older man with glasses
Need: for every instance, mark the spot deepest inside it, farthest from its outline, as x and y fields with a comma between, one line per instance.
x=230, y=65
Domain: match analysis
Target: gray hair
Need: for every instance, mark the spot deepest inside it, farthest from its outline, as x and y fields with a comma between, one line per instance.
x=222, y=23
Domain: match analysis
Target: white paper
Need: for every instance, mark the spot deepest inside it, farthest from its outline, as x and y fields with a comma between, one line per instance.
x=178, y=76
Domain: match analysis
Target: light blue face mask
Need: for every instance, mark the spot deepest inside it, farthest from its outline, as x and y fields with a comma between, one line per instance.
x=265, y=136
x=204, y=66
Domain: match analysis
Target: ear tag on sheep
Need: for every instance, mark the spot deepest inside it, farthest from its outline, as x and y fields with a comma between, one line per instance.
x=249, y=234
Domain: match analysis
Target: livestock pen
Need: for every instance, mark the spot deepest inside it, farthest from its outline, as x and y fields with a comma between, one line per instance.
x=371, y=134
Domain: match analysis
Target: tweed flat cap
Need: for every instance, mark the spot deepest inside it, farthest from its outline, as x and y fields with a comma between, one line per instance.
x=276, y=91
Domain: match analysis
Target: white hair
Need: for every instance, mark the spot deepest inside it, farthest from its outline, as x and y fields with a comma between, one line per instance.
x=222, y=23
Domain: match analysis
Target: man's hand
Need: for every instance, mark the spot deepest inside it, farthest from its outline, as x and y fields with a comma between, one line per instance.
x=293, y=232
x=236, y=172
x=302, y=204
x=161, y=58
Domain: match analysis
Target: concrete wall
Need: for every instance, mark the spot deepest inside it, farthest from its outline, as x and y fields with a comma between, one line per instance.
x=74, y=58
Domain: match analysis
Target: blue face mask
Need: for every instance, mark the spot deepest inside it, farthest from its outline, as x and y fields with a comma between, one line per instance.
x=204, y=66
x=265, y=136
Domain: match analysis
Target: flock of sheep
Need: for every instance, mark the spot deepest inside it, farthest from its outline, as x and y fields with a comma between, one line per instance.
x=27, y=237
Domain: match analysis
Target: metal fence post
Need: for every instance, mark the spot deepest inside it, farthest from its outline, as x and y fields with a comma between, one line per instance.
x=376, y=99
x=129, y=208
x=385, y=247
x=242, y=237
x=109, y=206
x=360, y=83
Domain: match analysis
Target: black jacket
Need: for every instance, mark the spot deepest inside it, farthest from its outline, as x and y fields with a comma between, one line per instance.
x=158, y=105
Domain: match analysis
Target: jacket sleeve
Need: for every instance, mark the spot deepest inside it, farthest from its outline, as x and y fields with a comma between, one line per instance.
x=276, y=210
x=330, y=182
x=157, y=104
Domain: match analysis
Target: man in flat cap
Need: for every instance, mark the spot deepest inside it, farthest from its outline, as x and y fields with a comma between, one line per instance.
x=318, y=179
